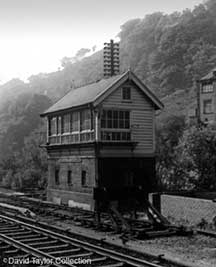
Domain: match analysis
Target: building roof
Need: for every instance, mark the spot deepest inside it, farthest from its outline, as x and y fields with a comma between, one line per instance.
x=209, y=76
x=96, y=92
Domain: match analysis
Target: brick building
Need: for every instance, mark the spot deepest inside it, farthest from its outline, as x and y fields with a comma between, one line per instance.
x=101, y=135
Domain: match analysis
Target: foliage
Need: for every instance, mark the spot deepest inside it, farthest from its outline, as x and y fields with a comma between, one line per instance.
x=168, y=52
x=198, y=149
x=186, y=157
x=22, y=118
x=170, y=174
x=26, y=169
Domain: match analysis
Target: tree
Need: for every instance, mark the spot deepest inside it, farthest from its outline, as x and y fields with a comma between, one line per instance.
x=169, y=172
x=198, y=149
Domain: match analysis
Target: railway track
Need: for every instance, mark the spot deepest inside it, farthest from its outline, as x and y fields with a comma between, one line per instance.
x=140, y=229
x=22, y=242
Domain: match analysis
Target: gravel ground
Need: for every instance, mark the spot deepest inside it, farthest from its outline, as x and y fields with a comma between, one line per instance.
x=197, y=250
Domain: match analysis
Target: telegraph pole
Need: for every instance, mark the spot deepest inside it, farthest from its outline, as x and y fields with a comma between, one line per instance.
x=111, y=59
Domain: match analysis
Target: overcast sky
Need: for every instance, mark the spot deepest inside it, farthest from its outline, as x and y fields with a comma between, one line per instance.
x=36, y=34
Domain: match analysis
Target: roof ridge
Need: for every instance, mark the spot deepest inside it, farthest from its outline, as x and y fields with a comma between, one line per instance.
x=113, y=83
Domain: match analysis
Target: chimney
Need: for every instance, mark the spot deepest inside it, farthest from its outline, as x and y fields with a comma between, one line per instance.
x=111, y=59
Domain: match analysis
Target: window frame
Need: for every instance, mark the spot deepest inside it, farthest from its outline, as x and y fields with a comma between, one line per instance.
x=126, y=93
x=66, y=118
x=75, y=126
x=57, y=177
x=84, y=178
x=109, y=119
x=121, y=119
x=53, y=124
x=205, y=101
x=69, y=177
x=207, y=88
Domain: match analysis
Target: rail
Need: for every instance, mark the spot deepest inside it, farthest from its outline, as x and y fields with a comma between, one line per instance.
x=36, y=241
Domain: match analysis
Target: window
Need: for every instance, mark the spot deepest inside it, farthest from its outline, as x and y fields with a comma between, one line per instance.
x=75, y=122
x=207, y=88
x=126, y=93
x=85, y=120
x=73, y=127
x=59, y=128
x=207, y=106
x=115, y=136
x=57, y=176
x=53, y=126
x=83, y=179
x=115, y=125
x=66, y=123
x=69, y=177
x=116, y=119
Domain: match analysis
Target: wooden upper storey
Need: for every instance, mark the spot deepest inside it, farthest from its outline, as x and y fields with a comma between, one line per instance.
x=120, y=109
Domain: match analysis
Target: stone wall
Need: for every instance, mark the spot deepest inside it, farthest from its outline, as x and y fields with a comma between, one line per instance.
x=186, y=209
x=73, y=193
x=71, y=198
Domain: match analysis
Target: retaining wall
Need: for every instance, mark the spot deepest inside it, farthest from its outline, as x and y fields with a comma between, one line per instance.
x=186, y=209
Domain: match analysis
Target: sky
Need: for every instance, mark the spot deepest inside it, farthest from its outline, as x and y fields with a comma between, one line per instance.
x=36, y=34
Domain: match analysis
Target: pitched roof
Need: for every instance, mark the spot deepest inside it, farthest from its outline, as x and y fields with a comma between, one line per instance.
x=93, y=93
x=209, y=76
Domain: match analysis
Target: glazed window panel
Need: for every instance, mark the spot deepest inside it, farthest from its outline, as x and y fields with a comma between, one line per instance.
x=109, y=119
x=115, y=136
x=103, y=119
x=115, y=125
x=85, y=120
x=53, y=126
x=66, y=123
x=207, y=106
x=207, y=88
x=115, y=119
x=59, y=122
x=75, y=122
x=126, y=93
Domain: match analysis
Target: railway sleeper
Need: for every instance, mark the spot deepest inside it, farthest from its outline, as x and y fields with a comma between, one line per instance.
x=24, y=237
x=98, y=259
x=39, y=244
x=83, y=254
x=32, y=238
x=6, y=246
x=53, y=248
x=64, y=252
x=108, y=264
x=9, y=228
x=14, y=234
x=6, y=224
x=12, y=229
x=12, y=251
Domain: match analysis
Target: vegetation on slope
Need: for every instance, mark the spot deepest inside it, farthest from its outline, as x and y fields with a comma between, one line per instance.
x=168, y=52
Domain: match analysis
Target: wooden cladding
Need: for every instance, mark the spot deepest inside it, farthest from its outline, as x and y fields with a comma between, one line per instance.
x=117, y=120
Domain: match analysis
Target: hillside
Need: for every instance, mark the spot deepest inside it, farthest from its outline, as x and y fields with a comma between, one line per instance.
x=167, y=52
